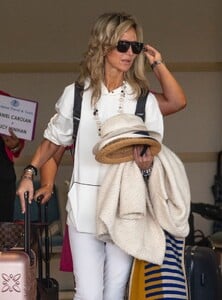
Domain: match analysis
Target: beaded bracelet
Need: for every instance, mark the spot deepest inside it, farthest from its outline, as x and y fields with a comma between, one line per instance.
x=31, y=168
x=155, y=63
x=146, y=173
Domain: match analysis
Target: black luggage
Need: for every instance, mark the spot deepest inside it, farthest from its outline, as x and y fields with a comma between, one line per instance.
x=217, y=190
x=203, y=273
x=47, y=287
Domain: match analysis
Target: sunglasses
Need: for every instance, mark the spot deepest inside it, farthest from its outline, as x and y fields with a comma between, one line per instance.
x=123, y=46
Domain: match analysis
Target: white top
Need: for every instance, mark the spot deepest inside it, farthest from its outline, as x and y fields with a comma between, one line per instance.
x=88, y=173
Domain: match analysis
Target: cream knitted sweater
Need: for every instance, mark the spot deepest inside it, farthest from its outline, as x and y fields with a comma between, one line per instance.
x=134, y=215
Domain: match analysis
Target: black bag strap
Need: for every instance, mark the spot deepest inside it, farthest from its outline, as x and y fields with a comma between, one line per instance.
x=77, y=108
x=140, y=107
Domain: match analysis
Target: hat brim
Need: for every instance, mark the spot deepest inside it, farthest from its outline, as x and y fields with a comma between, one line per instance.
x=121, y=150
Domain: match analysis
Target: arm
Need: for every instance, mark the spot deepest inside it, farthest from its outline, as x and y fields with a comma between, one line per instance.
x=47, y=175
x=172, y=98
x=44, y=152
x=13, y=145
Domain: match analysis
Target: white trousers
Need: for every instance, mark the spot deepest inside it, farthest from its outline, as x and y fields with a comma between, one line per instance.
x=101, y=270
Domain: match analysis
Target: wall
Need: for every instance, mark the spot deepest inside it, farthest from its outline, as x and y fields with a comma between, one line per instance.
x=43, y=41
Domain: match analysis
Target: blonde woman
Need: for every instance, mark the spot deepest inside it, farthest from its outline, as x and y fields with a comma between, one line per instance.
x=113, y=75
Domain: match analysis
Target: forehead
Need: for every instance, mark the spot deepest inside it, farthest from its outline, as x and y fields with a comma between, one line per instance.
x=129, y=35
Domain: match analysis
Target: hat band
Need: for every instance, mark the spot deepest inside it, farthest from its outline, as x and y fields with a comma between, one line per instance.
x=142, y=132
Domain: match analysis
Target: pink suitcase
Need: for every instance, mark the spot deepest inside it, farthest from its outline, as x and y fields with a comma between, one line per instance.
x=18, y=269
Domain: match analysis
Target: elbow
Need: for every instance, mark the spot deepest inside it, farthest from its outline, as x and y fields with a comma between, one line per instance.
x=183, y=103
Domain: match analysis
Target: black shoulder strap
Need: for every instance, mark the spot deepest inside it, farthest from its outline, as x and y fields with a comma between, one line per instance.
x=77, y=108
x=140, y=106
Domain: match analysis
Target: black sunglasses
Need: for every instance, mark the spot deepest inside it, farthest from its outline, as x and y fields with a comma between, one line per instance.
x=123, y=46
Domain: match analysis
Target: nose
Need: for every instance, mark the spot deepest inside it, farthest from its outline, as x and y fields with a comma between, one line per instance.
x=130, y=51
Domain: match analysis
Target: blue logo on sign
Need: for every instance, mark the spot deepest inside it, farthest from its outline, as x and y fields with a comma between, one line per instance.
x=15, y=103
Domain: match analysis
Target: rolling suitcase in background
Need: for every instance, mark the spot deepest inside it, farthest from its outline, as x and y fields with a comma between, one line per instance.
x=217, y=191
x=48, y=288
x=203, y=273
x=18, y=268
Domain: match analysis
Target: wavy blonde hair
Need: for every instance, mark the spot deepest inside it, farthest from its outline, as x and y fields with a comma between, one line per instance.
x=104, y=36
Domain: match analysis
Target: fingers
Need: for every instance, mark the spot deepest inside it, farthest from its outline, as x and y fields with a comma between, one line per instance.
x=26, y=185
x=152, y=54
x=12, y=133
x=143, y=157
x=44, y=193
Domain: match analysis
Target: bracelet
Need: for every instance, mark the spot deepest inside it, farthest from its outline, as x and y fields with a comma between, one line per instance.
x=155, y=63
x=15, y=149
x=31, y=168
x=146, y=173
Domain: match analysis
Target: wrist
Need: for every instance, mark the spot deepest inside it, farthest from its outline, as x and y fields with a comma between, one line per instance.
x=16, y=148
x=27, y=176
x=156, y=63
x=147, y=172
x=32, y=170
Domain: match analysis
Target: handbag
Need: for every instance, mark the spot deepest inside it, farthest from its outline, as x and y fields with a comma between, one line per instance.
x=11, y=235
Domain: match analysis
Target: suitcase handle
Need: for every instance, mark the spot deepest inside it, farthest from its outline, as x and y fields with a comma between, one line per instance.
x=27, y=238
x=46, y=229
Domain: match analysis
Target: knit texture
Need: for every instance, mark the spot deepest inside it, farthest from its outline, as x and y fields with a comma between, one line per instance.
x=134, y=215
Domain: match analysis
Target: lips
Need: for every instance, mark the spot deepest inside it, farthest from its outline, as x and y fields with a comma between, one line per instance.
x=126, y=61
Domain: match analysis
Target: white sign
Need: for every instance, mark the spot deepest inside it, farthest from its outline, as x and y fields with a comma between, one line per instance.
x=18, y=114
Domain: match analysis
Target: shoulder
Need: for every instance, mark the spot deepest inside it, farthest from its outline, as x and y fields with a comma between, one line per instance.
x=64, y=104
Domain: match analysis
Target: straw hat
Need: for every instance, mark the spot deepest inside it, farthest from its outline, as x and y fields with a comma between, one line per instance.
x=120, y=134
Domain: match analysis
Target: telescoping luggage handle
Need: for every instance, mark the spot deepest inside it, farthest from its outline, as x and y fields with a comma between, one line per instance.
x=27, y=238
x=46, y=229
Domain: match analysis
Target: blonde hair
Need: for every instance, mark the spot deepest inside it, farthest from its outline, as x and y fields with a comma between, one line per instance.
x=104, y=36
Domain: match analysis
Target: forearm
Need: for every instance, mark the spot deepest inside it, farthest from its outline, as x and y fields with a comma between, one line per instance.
x=48, y=174
x=47, y=178
x=44, y=152
x=49, y=169
x=172, y=98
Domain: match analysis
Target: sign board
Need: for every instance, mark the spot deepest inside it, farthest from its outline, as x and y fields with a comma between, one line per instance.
x=18, y=114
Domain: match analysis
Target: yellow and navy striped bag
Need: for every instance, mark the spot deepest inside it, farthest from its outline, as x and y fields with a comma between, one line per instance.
x=166, y=281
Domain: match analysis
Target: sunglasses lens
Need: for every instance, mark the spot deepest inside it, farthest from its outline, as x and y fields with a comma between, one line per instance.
x=137, y=47
x=123, y=46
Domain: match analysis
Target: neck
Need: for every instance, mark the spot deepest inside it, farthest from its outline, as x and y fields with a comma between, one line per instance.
x=113, y=83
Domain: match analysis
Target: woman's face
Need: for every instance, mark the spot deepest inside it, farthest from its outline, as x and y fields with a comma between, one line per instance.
x=116, y=61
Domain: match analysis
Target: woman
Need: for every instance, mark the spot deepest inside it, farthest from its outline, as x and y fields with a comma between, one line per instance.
x=113, y=75
x=10, y=147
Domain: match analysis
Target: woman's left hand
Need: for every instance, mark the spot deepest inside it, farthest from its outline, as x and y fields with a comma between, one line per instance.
x=152, y=54
x=45, y=192
x=144, y=161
